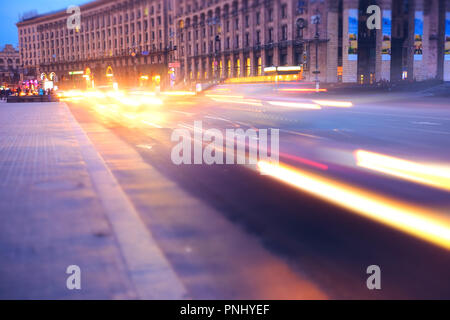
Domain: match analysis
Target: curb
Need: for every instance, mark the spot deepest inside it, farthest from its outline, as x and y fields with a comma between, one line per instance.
x=150, y=272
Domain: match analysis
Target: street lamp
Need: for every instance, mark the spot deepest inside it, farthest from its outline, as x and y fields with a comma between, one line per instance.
x=217, y=57
x=215, y=21
x=316, y=20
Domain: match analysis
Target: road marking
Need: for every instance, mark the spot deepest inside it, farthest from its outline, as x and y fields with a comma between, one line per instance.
x=217, y=118
x=303, y=134
x=426, y=123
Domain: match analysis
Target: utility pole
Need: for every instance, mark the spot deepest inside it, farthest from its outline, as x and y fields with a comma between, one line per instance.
x=316, y=21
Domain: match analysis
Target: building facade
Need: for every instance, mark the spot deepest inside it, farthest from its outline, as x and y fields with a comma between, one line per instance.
x=9, y=66
x=117, y=40
x=230, y=38
x=209, y=40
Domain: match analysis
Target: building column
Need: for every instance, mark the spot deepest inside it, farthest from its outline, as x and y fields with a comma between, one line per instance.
x=290, y=54
x=242, y=60
x=224, y=67
x=253, y=64
x=196, y=69
x=263, y=59
x=425, y=66
x=384, y=43
x=349, y=56
x=209, y=71
x=431, y=37
x=276, y=56
x=332, y=45
x=186, y=69
x=233, y=65
x=447, y=42
x=419, y=30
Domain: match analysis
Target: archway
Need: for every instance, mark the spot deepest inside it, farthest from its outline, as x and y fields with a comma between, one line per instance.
x=109, y=76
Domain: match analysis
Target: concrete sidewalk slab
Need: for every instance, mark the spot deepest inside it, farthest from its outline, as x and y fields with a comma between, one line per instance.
x=52, y=215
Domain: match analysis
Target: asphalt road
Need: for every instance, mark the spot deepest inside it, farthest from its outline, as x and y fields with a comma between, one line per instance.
x=327, y=243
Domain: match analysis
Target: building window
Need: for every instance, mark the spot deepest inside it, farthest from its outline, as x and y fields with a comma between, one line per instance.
x=301, y=7
x=284, y=11
x=284, y=30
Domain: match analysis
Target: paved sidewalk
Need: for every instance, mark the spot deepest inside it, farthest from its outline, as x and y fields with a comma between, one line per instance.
x=54, y=212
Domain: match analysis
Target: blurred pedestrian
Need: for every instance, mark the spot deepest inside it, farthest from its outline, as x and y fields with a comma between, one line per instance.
x=2, y=93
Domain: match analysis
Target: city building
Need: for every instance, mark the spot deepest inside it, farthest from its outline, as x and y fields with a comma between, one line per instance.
x=9, y=66
x=232, y=39
x=124, y=41
x=228, y=38
x=134, y=41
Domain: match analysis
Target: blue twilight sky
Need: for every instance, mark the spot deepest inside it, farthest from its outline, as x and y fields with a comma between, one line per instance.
x=10, y=10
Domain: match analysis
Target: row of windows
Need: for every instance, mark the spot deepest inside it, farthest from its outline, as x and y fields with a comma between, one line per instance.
x=60, y=33
x=9, y=61
x=236, y=45
x=139, y=13
x=195, y=6
x=94, y=37
x=269, y=14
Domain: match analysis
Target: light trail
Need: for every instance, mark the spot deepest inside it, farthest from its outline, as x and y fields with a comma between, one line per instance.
x=178, y=93
x=422, y=223
x=251, y=102
x=337, y=104
x=302, y=90
x=224, y=96
x=431, y=175
x=305, y=161
x=297, y=105
x=151, y=124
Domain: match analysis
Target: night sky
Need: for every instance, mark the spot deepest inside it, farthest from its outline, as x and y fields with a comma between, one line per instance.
x=10, y=10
